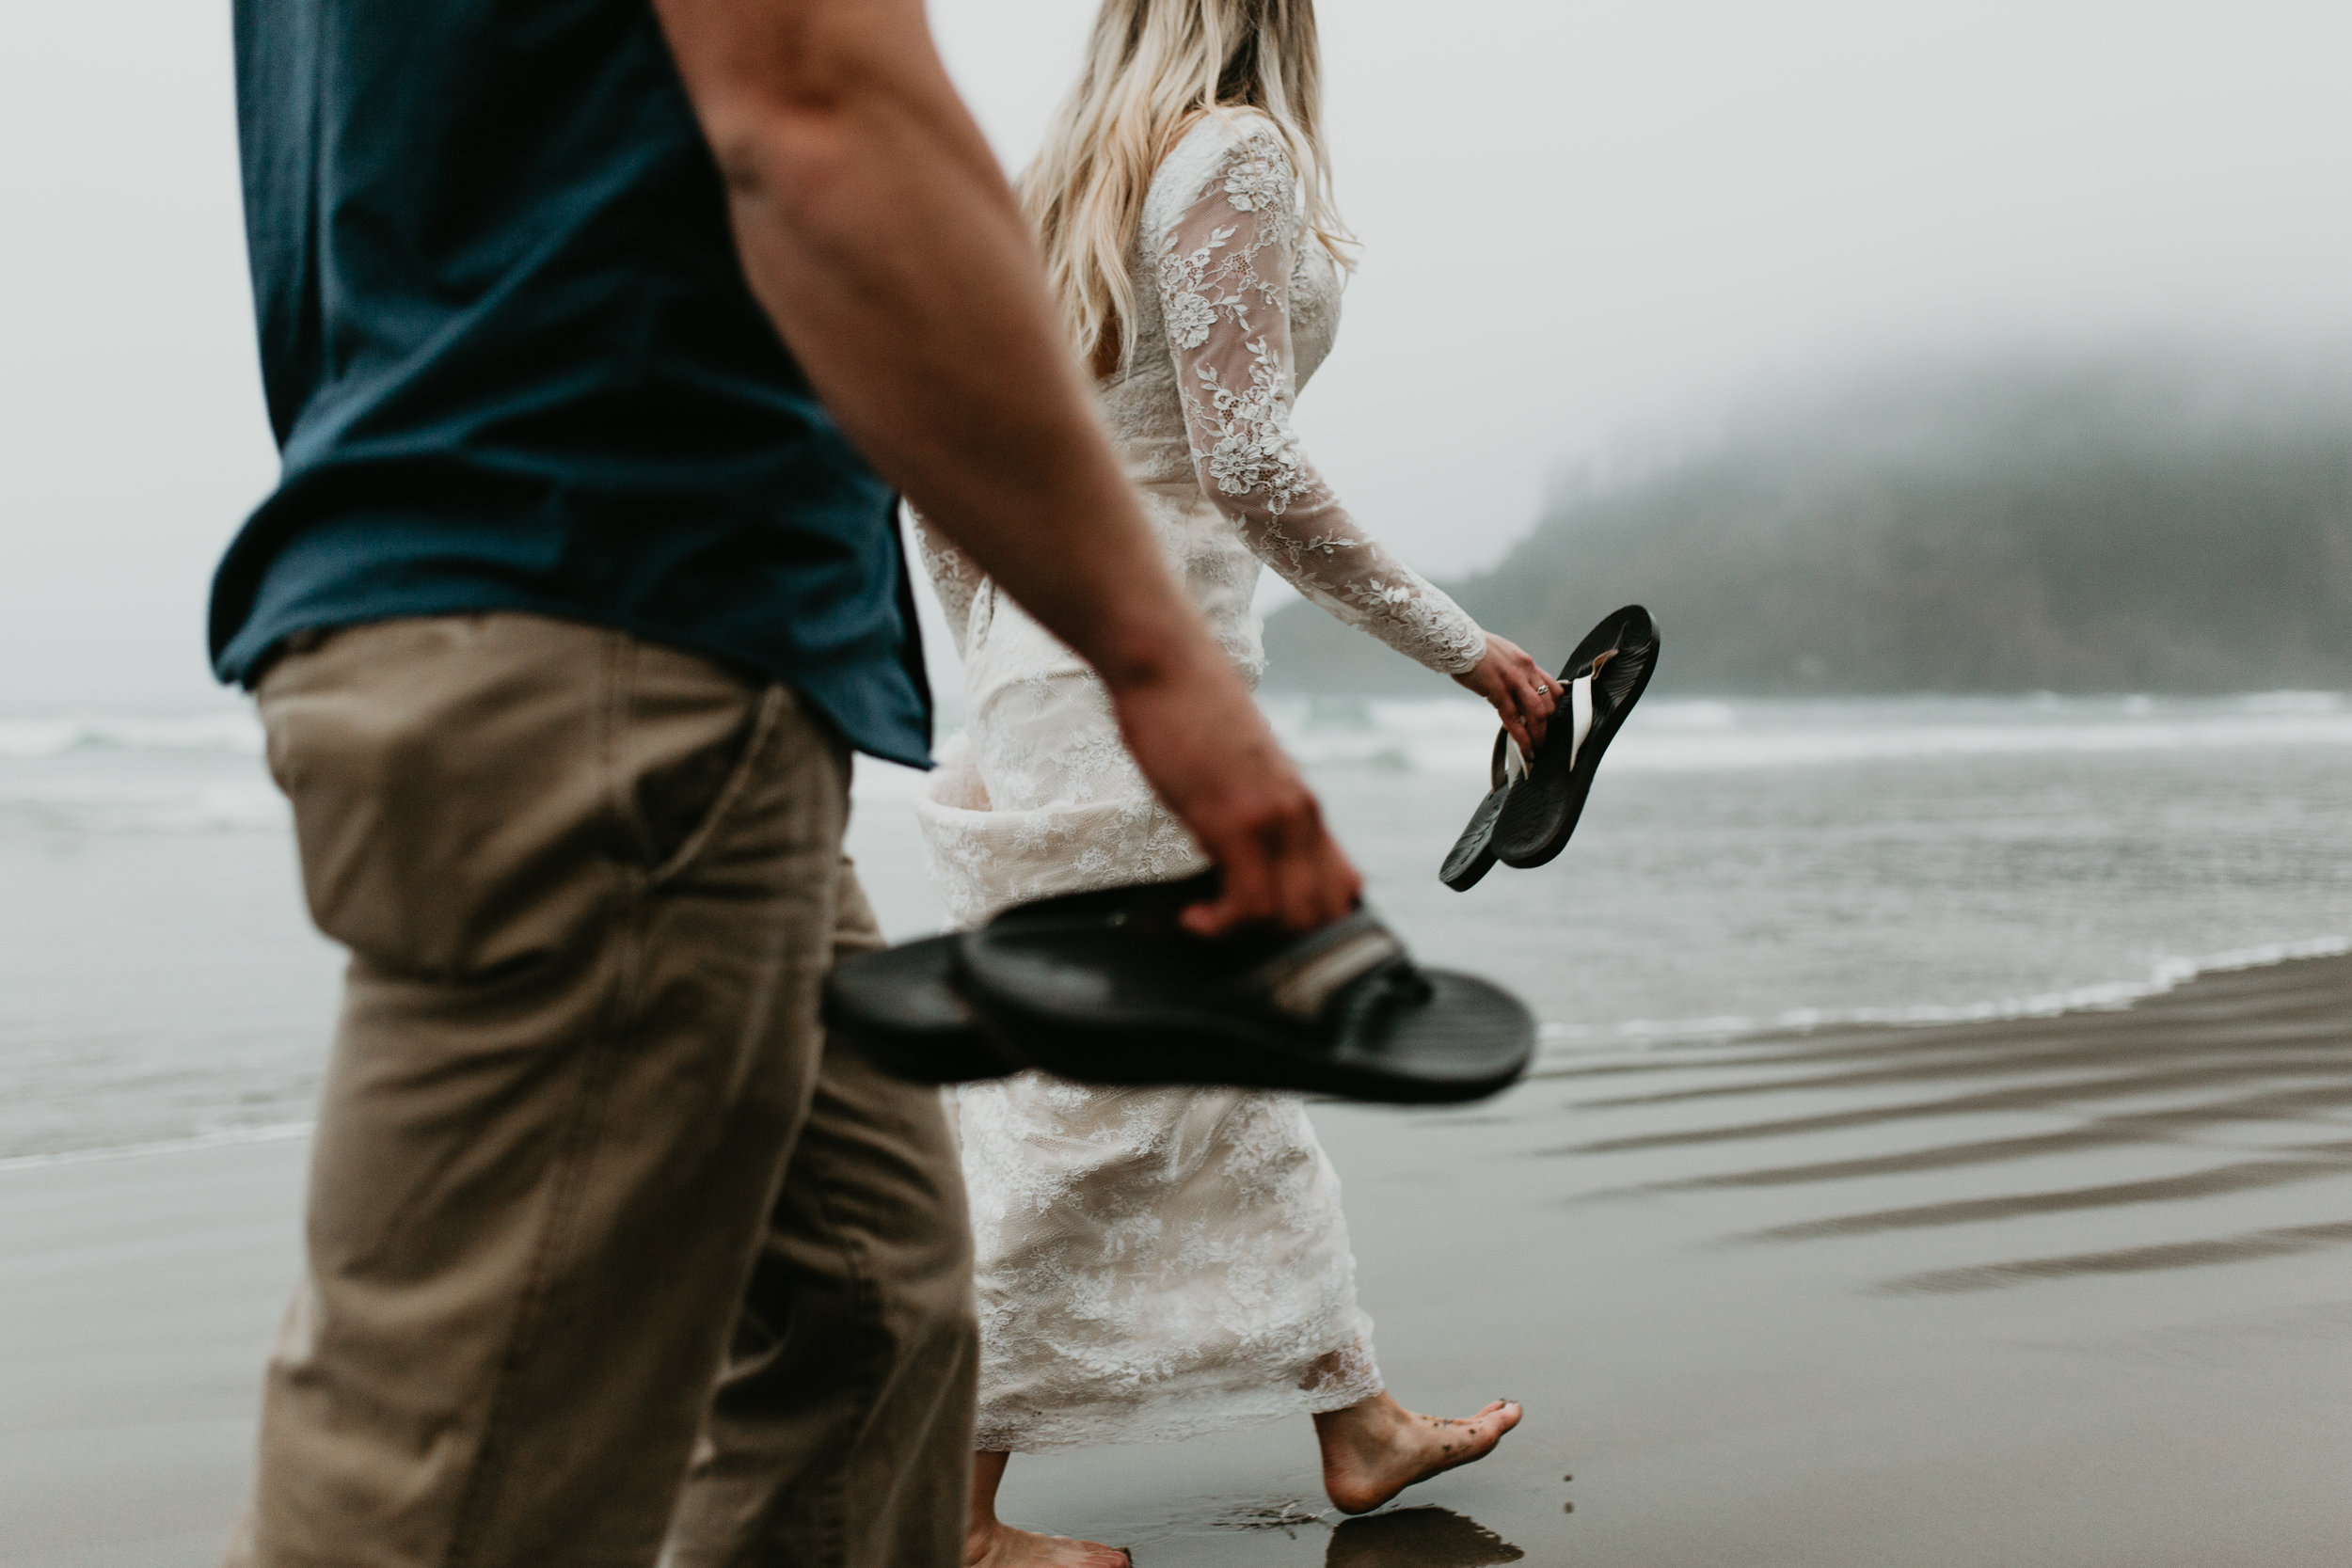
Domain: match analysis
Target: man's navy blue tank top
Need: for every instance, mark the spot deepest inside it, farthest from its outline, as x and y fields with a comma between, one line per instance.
x=513, y=363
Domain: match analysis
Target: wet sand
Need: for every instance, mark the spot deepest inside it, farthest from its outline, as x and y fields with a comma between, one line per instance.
x=2067, y=1290
x=136, y=1298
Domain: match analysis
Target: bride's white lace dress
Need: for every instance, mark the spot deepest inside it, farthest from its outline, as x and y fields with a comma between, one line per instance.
x=1158, y=1262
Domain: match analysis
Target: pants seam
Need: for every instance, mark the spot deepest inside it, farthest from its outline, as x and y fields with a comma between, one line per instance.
x=869, y=1314
x=577, y=1139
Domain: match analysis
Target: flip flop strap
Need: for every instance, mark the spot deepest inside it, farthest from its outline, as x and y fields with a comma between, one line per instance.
x=1514, y=764
x=1513, y=761
x=1580, y=717
x=1302, y=981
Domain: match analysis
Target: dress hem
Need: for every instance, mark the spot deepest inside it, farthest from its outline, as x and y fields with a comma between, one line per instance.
x=1155, y=1422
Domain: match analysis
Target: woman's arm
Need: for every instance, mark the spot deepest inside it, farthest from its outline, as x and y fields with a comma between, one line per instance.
x=1224, y=281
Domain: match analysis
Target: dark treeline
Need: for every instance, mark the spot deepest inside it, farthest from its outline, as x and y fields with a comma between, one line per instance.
x=2143, y=524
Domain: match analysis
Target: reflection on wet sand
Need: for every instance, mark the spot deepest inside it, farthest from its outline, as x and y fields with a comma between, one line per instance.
x=1417, y=1538
x=2245, y=1176
x=2253, y=1062
x=2283, y=1242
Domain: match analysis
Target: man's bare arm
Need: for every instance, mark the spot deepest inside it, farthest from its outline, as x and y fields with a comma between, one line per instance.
x=880, y=235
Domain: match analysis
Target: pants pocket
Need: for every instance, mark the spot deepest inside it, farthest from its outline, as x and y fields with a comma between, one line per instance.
x=681, y=809
x=450, y=795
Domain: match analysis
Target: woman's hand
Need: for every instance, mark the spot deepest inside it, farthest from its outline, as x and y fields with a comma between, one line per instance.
x=1522, y=694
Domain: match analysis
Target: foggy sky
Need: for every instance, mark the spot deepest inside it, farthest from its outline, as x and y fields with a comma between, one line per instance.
x=1586, y=224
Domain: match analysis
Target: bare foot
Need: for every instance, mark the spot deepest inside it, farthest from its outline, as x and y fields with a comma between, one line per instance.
x=1001, y=1546
x=1375, y=1449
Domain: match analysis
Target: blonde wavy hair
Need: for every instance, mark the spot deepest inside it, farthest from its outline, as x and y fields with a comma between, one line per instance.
x=1153, y=67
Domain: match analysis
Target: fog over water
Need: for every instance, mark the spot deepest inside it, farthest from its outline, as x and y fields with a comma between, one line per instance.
x=1587, y=226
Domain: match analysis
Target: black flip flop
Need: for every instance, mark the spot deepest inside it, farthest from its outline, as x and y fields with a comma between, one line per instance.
x=1600, y=682
x=1115, y=991
x=1473, y=854
x=898, y=1007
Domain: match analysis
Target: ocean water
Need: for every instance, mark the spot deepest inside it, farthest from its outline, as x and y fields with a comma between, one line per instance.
x=1742, y=866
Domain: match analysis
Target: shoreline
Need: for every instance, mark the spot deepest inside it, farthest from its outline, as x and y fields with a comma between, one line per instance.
x=224, y=1137
x=1561, y=1045
x=2109, y=996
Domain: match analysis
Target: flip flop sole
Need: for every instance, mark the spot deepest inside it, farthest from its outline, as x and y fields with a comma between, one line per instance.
x=1472, y=855
x=1102, y=1008
x=898, y=1009
x=1544, y=808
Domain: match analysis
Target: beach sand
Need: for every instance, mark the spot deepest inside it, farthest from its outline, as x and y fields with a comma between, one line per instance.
x=2070, y=1290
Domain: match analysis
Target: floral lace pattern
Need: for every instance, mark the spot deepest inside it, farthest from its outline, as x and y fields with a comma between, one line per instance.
x=955, y=577
x=1157, y=1263
x=1225, y=270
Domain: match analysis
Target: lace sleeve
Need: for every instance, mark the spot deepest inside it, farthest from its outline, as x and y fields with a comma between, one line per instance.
x=1224, y=279
x=955, y=577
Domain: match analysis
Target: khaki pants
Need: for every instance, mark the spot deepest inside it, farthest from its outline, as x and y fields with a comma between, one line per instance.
x=590, y=887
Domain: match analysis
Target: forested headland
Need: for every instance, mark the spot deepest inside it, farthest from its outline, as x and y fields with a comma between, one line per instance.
x=2169, y=523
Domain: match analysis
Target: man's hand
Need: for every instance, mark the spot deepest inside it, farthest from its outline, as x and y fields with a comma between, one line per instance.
x=877, y=232
x=1206, y=748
